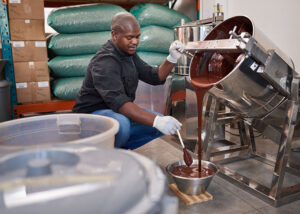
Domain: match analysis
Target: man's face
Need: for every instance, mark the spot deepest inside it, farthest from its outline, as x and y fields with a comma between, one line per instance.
x=128, y=39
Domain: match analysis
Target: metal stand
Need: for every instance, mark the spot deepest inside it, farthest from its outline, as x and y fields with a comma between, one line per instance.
x=276, y=194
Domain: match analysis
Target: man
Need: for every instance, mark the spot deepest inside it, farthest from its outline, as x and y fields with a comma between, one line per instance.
x=111, y=80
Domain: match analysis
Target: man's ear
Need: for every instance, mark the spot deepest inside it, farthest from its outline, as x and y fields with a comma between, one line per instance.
x=114, y=35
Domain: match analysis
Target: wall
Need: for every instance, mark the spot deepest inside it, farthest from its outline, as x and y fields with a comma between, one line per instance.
x=48, y=29
x=278, y=19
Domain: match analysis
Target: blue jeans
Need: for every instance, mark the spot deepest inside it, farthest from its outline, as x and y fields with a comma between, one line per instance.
x=131, y=134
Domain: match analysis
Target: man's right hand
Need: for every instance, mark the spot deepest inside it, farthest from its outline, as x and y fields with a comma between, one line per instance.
x=166, y=124
x=175, y=51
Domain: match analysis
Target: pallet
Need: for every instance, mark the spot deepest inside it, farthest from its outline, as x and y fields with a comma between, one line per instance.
x=190, y=199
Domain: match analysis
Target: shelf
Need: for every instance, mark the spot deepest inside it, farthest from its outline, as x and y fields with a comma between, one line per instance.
x=52, y=106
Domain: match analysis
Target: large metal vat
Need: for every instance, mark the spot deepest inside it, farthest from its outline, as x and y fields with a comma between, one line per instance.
x=241, y=85
x=243, y=69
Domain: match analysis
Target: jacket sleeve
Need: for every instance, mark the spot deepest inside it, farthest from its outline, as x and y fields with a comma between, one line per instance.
x=106, y=74
x=146, y=72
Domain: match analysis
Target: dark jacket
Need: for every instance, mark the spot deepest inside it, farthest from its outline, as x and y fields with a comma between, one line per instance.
x=111, y=80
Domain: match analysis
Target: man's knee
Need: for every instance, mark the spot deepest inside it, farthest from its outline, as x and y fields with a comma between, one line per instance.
x=123, y=134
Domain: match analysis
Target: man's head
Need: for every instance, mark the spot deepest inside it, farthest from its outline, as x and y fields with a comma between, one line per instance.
x=125, y=32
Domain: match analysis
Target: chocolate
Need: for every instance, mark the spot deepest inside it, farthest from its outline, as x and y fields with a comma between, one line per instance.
x=191, y=171
x=187, y=157
x=206, y=70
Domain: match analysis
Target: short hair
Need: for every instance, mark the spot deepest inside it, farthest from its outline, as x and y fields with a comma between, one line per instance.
x=123, y=19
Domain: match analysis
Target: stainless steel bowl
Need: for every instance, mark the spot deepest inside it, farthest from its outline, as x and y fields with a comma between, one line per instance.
x=192, y=186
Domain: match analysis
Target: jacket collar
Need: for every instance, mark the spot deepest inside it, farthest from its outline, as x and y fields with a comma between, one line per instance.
x=119, y=52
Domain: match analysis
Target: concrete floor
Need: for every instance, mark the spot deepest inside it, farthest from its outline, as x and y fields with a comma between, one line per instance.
x=228, y=198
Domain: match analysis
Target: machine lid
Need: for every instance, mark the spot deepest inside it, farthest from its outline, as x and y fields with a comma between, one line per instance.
x=79, y=179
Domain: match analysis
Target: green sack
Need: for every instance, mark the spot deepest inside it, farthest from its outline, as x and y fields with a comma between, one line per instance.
x=154, y=14
x=78, y=44
x=70, y=66
x=67, y=88
x=152, y=58
x=83, y=18
x=156, y=39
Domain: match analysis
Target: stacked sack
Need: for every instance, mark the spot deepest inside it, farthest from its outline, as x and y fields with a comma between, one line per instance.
x=82, y=31
x=157, y=34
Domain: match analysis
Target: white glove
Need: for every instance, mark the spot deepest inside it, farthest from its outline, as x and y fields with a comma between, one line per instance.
x=175, y=51
x=166, y=124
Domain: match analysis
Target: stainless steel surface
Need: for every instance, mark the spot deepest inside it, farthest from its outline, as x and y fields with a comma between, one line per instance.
x=192, y=186
x=259, y=85
x=244, y=88
x=221, y=45
x=187, y=34
x=212, y=21
x=275, y=194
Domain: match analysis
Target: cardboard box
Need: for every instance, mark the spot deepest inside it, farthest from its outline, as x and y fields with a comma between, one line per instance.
x=28, y=29
x=31, y=71
x=33, y=92
x=26, y=9
x=25, y=51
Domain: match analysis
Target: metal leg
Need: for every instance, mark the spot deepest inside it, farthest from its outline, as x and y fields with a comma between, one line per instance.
x=284, y=148
x=252, y=140
x=242, y=131
x=246, y=136
x=210, y=126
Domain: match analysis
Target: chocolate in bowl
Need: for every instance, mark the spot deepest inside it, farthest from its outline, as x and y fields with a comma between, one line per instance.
x=192, y=185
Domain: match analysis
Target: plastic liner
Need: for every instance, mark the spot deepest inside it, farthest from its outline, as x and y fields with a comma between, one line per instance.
x=78, y=44
x=152, y=58
x=67, y=88
x=83, y=18
x=156, y=39
x=53, y=130
x=70, y=66
x=154, y=14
